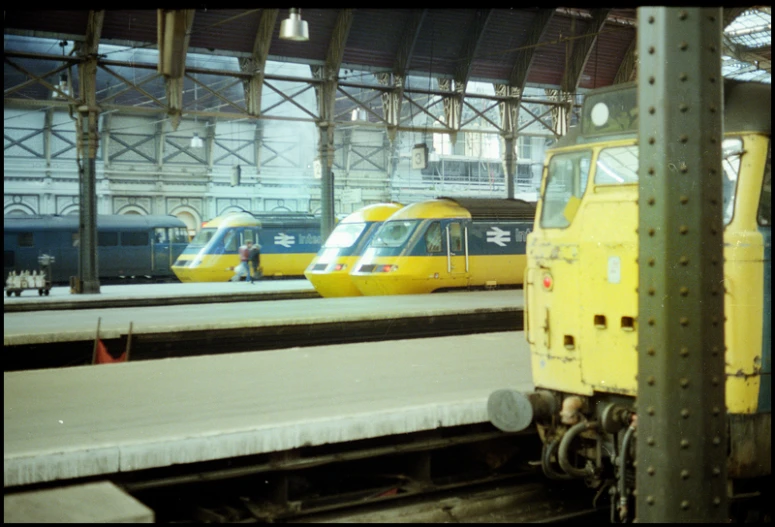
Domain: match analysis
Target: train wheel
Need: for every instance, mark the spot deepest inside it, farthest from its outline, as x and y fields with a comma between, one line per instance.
x=8, y=293
x=47, y=291
x=40, y=292
x=18, y=293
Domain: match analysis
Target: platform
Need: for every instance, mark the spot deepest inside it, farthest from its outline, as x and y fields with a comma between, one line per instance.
x=80, y=325
x=100, y=502
x=85, y=421
x=113, y=296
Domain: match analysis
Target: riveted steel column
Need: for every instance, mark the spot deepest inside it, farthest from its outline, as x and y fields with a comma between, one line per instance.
x=509, y=163
x=681, y=445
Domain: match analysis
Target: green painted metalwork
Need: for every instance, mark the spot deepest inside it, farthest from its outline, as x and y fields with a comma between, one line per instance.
x=681, y=445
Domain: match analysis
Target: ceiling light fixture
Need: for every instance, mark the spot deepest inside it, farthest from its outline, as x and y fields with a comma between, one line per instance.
x=63, y=85
x=294, y=28
x=196, y=141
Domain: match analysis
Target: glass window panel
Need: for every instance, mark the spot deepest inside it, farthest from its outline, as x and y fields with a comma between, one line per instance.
x=433, y=238
x=134, y=239
x=107, y=239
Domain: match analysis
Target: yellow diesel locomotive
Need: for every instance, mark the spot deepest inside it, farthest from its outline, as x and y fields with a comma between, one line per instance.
x=288, y=243
x=330, y=270
x=447, y=243
x=582, y=325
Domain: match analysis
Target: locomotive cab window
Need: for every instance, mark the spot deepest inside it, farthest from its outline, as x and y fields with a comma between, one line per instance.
x=731, y=153
x=231, y=241
x=203, y=236
x=394, y=233
x=764, y=215
x=566, y=181
x=433, y=238
x=179, y=235
x=160, y=235
x=455, y=237
x=345, y=235
x=617, y=166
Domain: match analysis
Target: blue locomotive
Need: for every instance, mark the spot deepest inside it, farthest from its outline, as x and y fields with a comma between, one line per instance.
x=128, y=246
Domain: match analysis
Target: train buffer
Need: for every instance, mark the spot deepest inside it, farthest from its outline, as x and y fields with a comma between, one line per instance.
x=35, y=279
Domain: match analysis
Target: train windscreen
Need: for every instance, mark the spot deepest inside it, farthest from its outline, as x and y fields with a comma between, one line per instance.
x=394, y=233
x=345, y=235
x=203, y=236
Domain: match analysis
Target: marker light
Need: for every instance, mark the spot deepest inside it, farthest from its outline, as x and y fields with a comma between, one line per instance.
x=548, y=282
x=387, y=268
x=340, y=267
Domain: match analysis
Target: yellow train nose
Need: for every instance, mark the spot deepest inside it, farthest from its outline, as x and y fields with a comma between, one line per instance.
x=332, y=284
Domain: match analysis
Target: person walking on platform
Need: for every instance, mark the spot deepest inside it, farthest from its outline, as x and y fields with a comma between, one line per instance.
x=243, y=269
x=254, y=258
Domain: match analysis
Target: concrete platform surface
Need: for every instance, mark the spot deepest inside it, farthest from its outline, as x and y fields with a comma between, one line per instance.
x=60, y=297
x=77, y=325
x=92, y=420
x=100, y=502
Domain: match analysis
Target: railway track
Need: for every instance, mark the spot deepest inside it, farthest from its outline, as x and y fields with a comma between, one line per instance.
x=469, y=473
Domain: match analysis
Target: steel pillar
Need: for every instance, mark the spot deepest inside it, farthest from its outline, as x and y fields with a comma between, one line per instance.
x=682, y=438
x=88, y=271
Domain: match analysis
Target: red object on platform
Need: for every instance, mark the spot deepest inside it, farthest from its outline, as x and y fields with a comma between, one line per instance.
x=103, y=357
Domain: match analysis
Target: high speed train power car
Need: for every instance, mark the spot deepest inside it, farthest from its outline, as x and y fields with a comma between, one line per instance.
x=447, y=243
x=330, y=270
x=288, y=242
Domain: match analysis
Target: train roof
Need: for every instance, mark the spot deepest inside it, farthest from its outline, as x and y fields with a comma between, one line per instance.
x=375, y=212
x=498, y=209
x=289, y=220
x=474, y=208
x=747, y=108
x=104, y=222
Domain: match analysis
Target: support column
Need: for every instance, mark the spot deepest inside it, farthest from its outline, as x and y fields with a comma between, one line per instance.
x=88, y=271
x=682, y=433
x=509, y=163
x=326, y=152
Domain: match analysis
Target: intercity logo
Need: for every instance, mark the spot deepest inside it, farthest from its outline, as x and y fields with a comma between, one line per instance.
x=284, y=239
x=499, y=236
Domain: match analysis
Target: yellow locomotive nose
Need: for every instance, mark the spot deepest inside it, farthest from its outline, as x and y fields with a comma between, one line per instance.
x=333, y=279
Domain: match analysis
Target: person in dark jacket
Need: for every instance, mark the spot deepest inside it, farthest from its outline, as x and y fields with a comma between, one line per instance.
x=254, y=257
x=243, y=269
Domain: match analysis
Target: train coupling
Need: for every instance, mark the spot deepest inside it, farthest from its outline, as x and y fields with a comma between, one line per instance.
x=513, y=411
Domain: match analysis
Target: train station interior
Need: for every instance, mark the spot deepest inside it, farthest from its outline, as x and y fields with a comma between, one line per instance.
x=387, y=265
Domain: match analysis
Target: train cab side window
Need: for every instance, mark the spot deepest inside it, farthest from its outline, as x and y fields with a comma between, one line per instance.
x=764, y=215
x=455, y=237
x=134, y=239
x=433, y=238
x=566, y=181
x=160, y=235
x=231, y=241
x=617, y=166
x=731, y=154
x=26, y=239
x=107, y=239
x=178, y=235
x=249, y=236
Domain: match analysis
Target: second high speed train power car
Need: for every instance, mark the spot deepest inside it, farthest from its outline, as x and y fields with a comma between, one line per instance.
x=447, y=243
x=330, y=270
